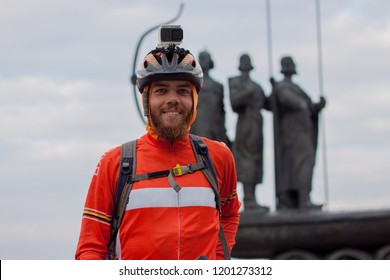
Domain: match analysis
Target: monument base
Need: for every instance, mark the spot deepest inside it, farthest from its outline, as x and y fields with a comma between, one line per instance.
x=294, y=234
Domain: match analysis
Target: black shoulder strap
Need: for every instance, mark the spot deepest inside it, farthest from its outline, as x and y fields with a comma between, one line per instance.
x=202, y=154
x=126, y=171
x=127, y=176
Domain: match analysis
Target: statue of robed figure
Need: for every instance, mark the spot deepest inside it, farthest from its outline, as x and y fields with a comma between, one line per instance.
x=248, y=99
x=210, y=118
x=295, y=140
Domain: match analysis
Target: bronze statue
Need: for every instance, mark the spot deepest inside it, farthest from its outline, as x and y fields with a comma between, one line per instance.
x=295, y=136
x=247, y=99
x=210, y=120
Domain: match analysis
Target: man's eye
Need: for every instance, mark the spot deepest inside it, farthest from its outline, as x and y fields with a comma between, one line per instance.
x=184, y=91
x=160, y=90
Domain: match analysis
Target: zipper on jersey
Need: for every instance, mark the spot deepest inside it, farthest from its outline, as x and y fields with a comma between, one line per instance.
x=178, y=195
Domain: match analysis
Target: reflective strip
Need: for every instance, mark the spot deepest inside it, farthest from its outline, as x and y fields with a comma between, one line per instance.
x=167, y=197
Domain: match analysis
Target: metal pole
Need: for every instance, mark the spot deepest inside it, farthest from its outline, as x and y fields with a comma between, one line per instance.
x=269, y=37
x=321, y=90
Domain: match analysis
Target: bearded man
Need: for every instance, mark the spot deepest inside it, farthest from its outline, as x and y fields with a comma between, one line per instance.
x=162, y=221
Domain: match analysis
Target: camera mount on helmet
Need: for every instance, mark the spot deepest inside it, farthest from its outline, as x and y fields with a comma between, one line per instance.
x=170, y=35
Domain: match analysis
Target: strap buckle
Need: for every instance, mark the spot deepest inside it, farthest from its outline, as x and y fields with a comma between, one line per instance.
x=179, y=170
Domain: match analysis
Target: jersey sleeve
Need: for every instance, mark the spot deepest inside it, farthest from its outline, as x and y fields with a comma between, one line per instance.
x=230, y=205
x=98, y=209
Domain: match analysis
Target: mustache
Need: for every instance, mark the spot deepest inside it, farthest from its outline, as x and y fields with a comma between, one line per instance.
x=172, y=106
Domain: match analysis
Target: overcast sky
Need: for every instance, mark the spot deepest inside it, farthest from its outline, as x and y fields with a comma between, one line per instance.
x=65, y=98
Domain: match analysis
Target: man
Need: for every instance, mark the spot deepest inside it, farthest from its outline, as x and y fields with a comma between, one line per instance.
x=161, y=222
x=210, y=121
x=295, y=135
x=247, y=99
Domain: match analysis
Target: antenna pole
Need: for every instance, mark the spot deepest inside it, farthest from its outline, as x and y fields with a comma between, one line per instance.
x=321, y=91
x=269, y=36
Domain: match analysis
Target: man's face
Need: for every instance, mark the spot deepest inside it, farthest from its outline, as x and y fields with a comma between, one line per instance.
x=170, y=108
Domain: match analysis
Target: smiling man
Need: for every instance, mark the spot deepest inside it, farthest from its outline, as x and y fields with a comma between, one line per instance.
x=171, y=107
x=185, y=205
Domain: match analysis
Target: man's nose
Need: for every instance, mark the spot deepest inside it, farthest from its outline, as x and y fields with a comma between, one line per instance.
x=172, y=97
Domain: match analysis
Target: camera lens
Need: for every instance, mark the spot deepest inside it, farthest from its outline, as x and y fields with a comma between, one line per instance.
x=177, y=34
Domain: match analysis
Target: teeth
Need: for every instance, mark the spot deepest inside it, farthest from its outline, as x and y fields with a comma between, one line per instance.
x=172, y=113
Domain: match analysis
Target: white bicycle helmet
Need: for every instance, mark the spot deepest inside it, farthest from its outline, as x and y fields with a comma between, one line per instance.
x=171, y=63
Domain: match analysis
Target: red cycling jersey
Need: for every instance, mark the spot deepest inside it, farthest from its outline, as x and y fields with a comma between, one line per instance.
x=160, y=223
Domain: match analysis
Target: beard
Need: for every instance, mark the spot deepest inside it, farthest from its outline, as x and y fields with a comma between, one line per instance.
x=170, y=132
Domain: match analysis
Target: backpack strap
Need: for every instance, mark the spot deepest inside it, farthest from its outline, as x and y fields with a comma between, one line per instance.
x=124, y=185
x=202, y=154
x=127, y=177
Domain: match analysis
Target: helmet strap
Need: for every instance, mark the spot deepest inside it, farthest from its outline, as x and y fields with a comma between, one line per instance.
x=145, y=96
